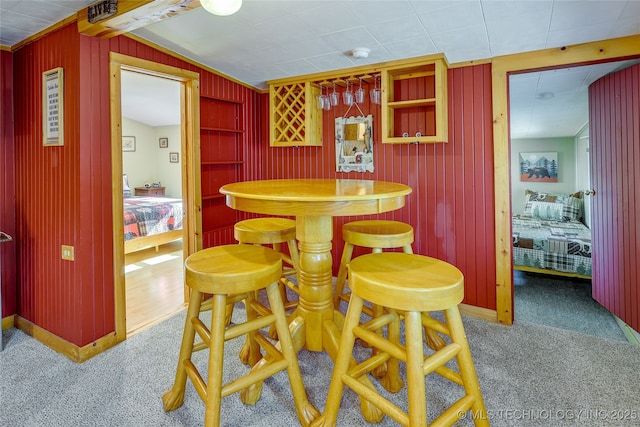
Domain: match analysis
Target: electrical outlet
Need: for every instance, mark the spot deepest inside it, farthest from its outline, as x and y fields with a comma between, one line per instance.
x=68, y=253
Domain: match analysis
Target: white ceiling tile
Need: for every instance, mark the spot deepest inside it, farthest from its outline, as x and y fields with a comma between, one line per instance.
x=333, y=61
x=589, y=13
x=372, y=12
x=515, y=27
x=577, y=35
x=328, y=18
x=409, y=48
x=472, y=43
x=455, y=15
x=407, y=27
x=349, y=39
x=297, y=67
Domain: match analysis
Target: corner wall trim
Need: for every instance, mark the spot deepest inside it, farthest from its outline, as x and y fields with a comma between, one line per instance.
x=72, y=351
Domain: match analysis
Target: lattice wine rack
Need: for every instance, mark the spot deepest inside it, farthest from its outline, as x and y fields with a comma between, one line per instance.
x=295, y=118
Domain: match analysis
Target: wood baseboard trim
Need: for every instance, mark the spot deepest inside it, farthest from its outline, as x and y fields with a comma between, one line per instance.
x=479, y=313
x=72, y=351
x=632, y=336
x=8, y=322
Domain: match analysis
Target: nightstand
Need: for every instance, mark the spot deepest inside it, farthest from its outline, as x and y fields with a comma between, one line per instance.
x=151, y=191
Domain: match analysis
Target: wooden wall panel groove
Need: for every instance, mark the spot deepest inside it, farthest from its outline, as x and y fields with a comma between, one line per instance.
x=7, y=187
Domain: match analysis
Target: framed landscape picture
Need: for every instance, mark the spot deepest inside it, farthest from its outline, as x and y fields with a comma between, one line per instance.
x=539, y=167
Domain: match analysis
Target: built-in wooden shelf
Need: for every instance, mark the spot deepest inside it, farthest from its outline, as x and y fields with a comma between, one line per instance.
x=221, y=158
x=414, y=102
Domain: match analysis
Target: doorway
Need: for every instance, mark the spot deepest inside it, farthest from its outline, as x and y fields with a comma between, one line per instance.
x=183, y=160
x=549, y=117
x=502, y=67
x=154, y=284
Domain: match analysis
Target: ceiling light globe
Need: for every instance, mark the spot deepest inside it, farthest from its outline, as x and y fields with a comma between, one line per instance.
x=221, y=7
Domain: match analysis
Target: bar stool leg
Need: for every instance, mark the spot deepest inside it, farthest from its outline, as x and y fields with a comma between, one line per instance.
x=347, y=252
x=466, y=367
x=343, y=359
x=306, y=411
x=250, y=352
x=216, y=359
x=174, y=397
x=434, y=341
x=391, y=380
x=415, y=372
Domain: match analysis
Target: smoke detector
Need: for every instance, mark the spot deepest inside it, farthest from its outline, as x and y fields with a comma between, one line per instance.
x=360, y=53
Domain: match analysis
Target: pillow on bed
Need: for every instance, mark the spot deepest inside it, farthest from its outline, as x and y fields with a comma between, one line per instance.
x=126, y=191
x=558, y=207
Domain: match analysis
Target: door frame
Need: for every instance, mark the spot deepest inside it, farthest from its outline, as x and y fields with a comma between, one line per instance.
x=190, y=165
x=502, y=66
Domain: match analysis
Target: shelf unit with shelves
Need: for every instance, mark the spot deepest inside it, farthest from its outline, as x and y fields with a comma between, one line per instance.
x=221, y=159
x=414, y=103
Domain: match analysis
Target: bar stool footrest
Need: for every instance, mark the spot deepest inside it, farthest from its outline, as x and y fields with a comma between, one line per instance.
x=377, y=400
x=452, y=413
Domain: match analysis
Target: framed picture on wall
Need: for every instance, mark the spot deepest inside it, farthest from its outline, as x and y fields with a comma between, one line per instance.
x=53, y=107
x=164, y=142
x=539, y=167
x=173, y=157
x=128, y=143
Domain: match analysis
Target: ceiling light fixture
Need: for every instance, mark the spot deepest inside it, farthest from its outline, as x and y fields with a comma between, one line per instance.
x=221, y=7
x=360, y=53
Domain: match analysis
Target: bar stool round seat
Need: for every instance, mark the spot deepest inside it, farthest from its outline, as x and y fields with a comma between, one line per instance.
x=413, y=285
x=273, y=231
x=374, y=234
x=234, y=273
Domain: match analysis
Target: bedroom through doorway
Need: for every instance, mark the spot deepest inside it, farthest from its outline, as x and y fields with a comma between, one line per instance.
x=550, y=196
x=153, y=199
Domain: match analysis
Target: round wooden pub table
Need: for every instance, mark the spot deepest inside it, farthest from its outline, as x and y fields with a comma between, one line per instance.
x=314, y=203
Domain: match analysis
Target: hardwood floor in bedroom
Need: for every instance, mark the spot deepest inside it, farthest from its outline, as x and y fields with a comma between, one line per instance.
x=154, y=285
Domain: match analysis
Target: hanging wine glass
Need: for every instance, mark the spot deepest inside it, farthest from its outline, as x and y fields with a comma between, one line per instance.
x=360, y=93
x=321, y=99
x=374, y=93
x=334, y=96
x=347, y=95
x=327, y=101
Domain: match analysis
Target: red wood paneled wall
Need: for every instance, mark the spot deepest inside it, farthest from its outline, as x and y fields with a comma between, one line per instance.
x=48, y=206
x=7, y=187
x=452, y=204
x=614, y=130
x=63, y=194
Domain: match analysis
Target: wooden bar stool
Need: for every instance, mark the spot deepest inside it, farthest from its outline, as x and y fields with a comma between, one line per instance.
x=235, y=271
x=275, y=232
x=413, y=284
x=377, y=235
x=374, y=234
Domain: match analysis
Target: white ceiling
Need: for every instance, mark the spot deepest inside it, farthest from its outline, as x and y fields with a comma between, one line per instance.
x=269, y=40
